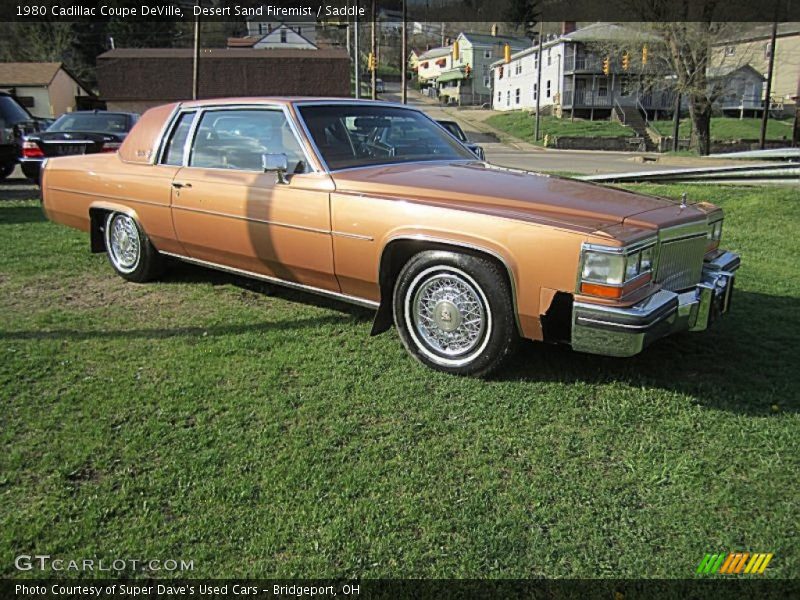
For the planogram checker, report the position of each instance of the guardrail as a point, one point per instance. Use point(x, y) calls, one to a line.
point(783, 173)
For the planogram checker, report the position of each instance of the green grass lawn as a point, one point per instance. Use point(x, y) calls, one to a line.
point(263, 432)
point(521, 124)
point(728, 128)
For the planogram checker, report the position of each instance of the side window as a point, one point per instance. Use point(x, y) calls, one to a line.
point(173, 152)
point(236, 139)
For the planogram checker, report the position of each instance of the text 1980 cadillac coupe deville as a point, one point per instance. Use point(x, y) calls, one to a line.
point(377, 204)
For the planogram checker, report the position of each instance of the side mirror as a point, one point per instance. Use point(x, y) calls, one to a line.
point(276, 163)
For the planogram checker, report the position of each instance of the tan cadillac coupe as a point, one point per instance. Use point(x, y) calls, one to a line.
point(377, 204)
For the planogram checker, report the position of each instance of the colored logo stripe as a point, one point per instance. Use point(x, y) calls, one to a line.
point(734, 563)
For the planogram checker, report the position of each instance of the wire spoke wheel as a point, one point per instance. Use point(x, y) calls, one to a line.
point(124, 243)
point(448, 314)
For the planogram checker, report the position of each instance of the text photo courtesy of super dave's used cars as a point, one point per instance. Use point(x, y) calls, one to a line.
point(379, 205)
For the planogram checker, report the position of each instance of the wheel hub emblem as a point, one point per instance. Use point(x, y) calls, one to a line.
point(447, 316)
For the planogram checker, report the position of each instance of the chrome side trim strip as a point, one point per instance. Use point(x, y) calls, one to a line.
point(282, 282)
point(355, 236)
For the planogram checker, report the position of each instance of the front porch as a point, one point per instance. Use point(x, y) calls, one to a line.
point(596, 96)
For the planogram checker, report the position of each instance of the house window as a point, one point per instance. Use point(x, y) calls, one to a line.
point(260, 29)
point(547, 89)
point(730, 50)
point(549, 58)
point(486, 82)
point(536, 60)
point(487, 54)
point(602, 91)
point(499, 97)
point(517, 96)
point(283, 36)
point(518, 68)
point(508, 98)
point(767, 49)
point(535, 91)
point(500, 73)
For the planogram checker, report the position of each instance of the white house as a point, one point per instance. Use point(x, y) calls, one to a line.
point(305, 27)
point(572, 78)
point(432, 63)
point(46, 89)
point(281, 37)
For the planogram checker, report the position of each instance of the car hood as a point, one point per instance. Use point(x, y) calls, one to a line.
point(515, 194)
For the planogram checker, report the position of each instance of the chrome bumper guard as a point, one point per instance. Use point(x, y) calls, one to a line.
point(612, 331)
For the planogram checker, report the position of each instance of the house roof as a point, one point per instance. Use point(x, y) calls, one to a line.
point(759, 31)
point(436, 52)
point(608, 32)
point(728, 70)
point(165, 74)
point(596, 32)
point(224, 53)
point(486, 39)
point(451, 75)
point(249, 41)
point(28, 73)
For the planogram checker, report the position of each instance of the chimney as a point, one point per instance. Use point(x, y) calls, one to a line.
point(567, 27)
point(494, 29)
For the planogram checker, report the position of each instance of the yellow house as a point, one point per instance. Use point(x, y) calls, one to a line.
point(753, 47)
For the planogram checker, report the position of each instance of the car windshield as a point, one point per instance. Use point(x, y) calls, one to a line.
point(363, 135)
point(100, 122)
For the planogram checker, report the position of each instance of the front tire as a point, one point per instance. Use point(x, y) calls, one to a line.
point(129, 249)
point(454, 312)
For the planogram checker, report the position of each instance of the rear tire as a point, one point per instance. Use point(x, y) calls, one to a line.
point(6, 170)
point(454, 312)
point(129, 250)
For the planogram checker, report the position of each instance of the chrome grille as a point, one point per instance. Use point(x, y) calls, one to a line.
point(680, 262)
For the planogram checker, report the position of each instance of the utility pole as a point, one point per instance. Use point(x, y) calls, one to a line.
point(796, 127)
point(196, 59)
point(356, 62)
point(676, 122)
point(374, 66)
point(539, 81)
point(404, 59)
point(765, 114)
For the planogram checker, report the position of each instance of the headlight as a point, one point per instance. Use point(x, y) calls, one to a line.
point(714, 235)
point(613, 272)
point(603, 268)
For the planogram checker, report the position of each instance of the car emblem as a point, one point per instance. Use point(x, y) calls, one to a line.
point(67, 136)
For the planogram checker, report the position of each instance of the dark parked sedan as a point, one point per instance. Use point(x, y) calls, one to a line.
point(81, 132)
point(15, 122)
point(455, 129)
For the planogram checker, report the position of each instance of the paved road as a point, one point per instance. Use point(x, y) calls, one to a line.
point(17, 187)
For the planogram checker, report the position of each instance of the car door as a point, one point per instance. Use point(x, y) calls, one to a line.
point(228, 212)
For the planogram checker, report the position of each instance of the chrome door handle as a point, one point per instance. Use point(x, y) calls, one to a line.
point(179, 185)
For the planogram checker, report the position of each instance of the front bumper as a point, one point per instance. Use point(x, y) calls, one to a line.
point(612, 331)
